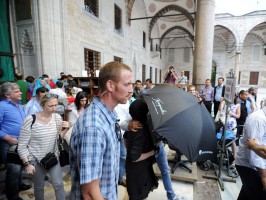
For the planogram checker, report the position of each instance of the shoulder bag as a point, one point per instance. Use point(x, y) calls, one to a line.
point(63, 149)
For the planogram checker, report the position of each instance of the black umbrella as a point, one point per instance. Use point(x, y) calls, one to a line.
point(182, 121)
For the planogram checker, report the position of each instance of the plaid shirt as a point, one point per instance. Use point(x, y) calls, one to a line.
point(95, 151)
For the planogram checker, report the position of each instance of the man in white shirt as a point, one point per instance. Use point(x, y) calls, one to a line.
point(59, 90)
point(122, 111)
point(250, 166)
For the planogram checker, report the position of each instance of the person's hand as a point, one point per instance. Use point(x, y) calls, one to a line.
point(30, 169)
point(251, 143)
point(134, 125)
point(65, 124)
point(13, 141)
point(263, 180)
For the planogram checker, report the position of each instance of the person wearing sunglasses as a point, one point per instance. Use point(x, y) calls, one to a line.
point(95, 139)
point(34, 106)
point(38, 138)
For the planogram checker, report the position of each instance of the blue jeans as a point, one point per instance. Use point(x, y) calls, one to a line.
point(13, 173)
point(56, 177)
point(122, 164)
point(162, 163)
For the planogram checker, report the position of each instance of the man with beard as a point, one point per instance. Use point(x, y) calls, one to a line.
point(252, 98)
point(137, 89)
point(96, 136)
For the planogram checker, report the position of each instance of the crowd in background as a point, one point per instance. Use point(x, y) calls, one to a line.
point(109, 141)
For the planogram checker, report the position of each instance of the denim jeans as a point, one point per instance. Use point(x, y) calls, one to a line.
point(122, 164)
point(162, 163)
point(39, 181)
point(13, 173)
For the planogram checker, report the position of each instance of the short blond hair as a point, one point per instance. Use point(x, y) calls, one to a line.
point(111, 71)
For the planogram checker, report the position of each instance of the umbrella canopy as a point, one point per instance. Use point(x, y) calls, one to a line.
point(177, 116)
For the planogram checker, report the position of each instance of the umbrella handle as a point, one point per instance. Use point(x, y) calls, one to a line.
point(163, 139)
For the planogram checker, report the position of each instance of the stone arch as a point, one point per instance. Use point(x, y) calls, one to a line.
point(232, 31)
point(231, 40)
point(221, 38)
point(173, 28)
point(167, 9)
point(256, 36)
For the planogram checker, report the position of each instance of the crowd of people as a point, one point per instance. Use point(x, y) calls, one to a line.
point(110, 137)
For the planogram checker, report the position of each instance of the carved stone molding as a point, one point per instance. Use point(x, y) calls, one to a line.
point(26, 44)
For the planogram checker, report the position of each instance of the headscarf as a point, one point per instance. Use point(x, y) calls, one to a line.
point(138, 110)
point(40, 84)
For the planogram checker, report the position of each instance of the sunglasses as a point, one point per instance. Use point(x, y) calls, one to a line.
point(118, 132)
point(51, 96)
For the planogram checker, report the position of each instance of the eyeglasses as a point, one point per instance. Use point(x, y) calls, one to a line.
point(51, 96)
point(118, 132)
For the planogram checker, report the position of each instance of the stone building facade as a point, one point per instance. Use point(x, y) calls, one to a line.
point(240, 47)
point(77, 35)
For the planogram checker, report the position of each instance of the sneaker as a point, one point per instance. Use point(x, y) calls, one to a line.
point(123, 182)
point(232, 172)
point(205, 166)
point(178, 197)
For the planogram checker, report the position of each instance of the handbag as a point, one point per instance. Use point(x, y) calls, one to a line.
point(49, 161)
point(12, 155)
point(63, 151)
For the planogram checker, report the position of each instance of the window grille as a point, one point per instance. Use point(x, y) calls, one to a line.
point(92, 60)
point(92, 6)
point(143, 73)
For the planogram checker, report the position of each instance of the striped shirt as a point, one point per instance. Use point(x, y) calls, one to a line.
point(39, 140)
point(95, 151)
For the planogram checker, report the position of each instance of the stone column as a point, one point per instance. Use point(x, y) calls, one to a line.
point(204, 34)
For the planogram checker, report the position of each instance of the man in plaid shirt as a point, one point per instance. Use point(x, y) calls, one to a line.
point(94, 144)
